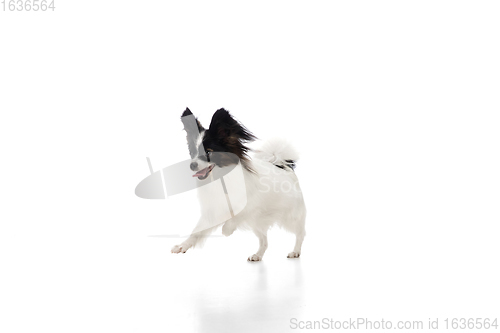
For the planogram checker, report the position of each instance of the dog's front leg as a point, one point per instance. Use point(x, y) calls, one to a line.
point(199, 235)
point(229, 227)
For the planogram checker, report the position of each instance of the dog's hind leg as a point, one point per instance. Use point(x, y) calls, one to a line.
point(298, 245)
point(300, 233)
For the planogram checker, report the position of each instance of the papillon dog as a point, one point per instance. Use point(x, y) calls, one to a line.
point(271, 192)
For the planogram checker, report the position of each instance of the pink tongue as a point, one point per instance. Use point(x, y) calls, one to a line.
point(201, 173)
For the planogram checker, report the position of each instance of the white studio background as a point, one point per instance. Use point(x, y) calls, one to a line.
point(393, 105)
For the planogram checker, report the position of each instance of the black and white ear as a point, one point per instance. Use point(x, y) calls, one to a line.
point(193, 129)
point(228, 129)
point(192, 126)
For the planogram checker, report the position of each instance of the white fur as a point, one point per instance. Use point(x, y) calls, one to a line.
point(273, 197)
point(276, 151)
point(199, 140)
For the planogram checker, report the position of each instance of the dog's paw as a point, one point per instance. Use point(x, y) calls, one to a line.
point(254, 258)
point(228, 229)
point(179, 249)
point(293, 255)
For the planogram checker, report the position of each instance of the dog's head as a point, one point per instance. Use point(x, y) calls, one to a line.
point(222, 144)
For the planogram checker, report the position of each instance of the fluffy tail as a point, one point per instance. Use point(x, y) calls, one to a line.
point(278, 152)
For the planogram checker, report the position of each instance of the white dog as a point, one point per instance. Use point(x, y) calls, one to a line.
point(273, 194)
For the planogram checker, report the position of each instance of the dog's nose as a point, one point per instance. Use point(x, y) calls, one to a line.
point(193, 165)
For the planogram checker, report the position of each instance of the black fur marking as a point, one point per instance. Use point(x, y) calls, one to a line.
point(291, 164)
point(186, 112)
point(225, 134)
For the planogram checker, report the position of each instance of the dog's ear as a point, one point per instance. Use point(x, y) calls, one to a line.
point(192, 126)
point(193, 129)
point(228, 129)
